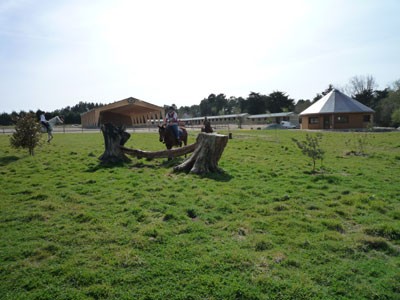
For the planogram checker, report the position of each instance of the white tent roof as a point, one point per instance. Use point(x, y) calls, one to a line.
point(336, 102)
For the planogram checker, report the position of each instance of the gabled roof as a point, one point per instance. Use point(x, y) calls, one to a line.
point(130, 106)
point(336, 102)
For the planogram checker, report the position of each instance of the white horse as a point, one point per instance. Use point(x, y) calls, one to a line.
point(52, 122)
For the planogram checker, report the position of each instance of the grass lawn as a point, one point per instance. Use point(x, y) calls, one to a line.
point(266, 228)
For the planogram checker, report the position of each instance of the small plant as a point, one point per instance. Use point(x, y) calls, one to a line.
point(357, 144)
point(27, 133)
point(311, 147)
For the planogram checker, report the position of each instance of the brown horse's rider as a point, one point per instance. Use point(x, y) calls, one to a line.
point(171, 120)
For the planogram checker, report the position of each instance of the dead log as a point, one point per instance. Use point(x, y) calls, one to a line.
point(159, 154)
point(209, 149)
point(114, 138)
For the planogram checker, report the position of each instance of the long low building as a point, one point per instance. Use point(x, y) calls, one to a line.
point(246, 119)
point(223, 119)
point(274, 118)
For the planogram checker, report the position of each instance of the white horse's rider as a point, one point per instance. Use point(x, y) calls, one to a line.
point(44, 122)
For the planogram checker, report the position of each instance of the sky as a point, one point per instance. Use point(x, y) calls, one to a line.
point(56, 53)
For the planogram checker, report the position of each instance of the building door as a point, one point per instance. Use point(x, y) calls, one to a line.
point(327, 122)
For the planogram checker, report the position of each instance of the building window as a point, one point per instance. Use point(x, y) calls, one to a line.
point(313, 120)
point(367, 118)
point(342, 119)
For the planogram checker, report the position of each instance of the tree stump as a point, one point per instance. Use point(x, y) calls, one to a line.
point(114, 138)
point(209, 149)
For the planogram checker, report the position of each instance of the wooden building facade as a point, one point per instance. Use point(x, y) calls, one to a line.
point(126, 112)
point(336, 111)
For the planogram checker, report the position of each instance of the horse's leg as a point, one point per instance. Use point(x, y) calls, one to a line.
point(49, 137)
point(169, 147)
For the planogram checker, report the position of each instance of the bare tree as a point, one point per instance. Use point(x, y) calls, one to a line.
point(361, 84)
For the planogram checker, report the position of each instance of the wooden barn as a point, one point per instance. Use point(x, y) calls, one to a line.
point(127, 112)
point(336, 111)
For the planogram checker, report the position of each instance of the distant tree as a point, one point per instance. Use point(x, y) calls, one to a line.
point(360, 84)
point(205, 106)
point(221, 104)
point(301, 105)
point(184, 112)
point(195, 111)
point(256, 103)
point(27, 133)
point(388, 106)
point(366, 97)
point(362, 89)
point(212, 105)
point(72, 115)
point(278, 102)
point(396, 117)
point(231, 105)
point(237, 105)
point(14, 117)
point(5, 119)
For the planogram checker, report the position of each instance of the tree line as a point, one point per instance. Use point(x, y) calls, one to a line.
point(71, 115)
point(385, 102)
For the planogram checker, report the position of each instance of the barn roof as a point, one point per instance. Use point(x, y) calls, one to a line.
point(130, 106)
point(271, 115)
point(210, 118)
point(336, 102)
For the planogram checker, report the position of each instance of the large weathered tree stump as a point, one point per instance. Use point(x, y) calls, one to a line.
point(209, 149)
point(114, 138)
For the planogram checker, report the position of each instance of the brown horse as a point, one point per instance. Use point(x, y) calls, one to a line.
point(167, 136)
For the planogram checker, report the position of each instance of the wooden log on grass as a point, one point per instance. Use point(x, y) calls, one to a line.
point(209, 149)
point(159, 154)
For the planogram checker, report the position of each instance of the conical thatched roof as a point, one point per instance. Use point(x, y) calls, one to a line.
point(336, 102)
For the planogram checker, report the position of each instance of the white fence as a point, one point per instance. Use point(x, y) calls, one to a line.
point(151, 128)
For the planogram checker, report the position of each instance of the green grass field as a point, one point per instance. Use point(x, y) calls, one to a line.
point(266, 228)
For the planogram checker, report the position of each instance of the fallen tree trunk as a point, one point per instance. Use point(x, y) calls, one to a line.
point(209, 149)
point(159, 154)
point(114, 138)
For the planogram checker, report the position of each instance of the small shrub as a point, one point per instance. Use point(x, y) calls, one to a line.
point(263, 245)
point(169, 217)
point(281, 207)
point(374, 243)
point(357, 144)
point(311, 148)
point(27, 133)
point(333, 225)
point(386, 231)
point(191, 213)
